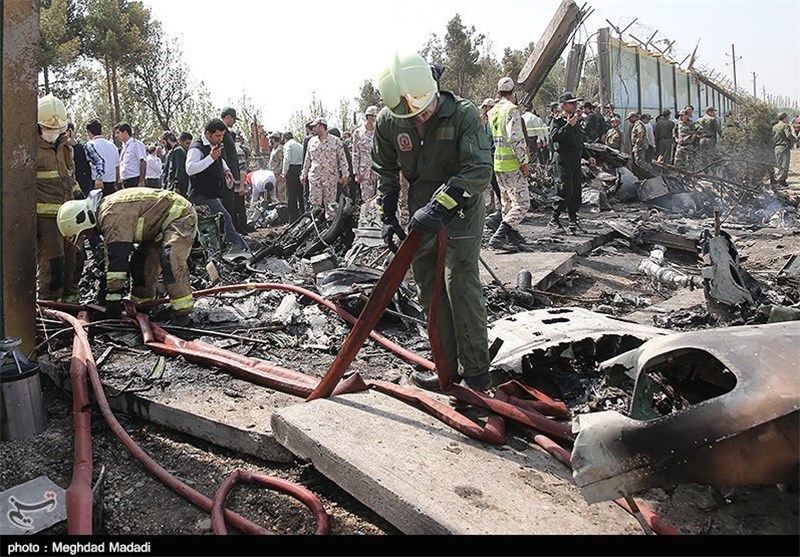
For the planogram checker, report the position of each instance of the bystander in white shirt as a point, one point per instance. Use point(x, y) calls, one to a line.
point(133, 151)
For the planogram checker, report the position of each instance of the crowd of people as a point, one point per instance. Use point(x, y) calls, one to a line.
point(429, 152)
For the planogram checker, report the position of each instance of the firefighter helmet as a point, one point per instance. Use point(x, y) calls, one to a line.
point(407, 85)
point(75, 216)
point(52, 114)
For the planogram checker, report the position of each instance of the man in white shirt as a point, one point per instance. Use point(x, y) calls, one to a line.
point(133, 160)
point(651, 137)
point(263, 184)
point(209, 176)
point(108, 151)
point(292, 165)
point(154, 168)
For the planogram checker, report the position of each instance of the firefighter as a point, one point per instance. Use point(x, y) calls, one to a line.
point(163, 224)
point(59, 262)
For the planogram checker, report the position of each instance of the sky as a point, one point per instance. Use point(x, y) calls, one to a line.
point(281, 52)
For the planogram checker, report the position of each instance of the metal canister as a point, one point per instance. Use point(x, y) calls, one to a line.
point(524, 280)
point(21, 406)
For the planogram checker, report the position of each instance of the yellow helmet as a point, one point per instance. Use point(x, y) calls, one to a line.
point(75, 216)
point(407, 85)
point(52, 114)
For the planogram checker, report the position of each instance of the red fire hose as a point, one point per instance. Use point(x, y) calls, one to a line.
point(86, 361)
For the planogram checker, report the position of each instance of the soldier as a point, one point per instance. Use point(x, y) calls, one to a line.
point(783, 139)
point(511, 166)
point(275, 164)
point(438, 142)
point(324, 167)
point(664, 140)
point(567, 140)
point(161, 223)
point(639, 144)
point(708, 129)
point(613, 137)
point(632, 118)
point(362, 167)
point(59, 263)
point(685, 135)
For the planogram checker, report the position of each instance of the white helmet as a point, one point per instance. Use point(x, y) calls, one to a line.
point(52, 114)
point(75, 216)
point(371, 111)
point(406, 85)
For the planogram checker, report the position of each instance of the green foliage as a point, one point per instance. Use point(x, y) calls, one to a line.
point(59, 45)
point(369, 96)
point(344, 115)
point(459, 53)
point(298, 119)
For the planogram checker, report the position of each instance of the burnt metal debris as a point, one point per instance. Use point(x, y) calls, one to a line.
point(716, 407)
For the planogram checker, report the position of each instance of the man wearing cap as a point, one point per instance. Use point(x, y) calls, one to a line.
point(783, 139)
point(613, 137)
point(632, 118)
point(275, 164)
point(709, 128)
point(685, 135)
point(362, 167)
point(664, 141)
point(437, 141)
point(594, 125)
point(324, 167)
point(567, 140)
point(232, 205)
point(511, 166)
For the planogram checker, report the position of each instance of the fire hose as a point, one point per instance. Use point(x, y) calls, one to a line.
point(79, 496)
point(521, 404)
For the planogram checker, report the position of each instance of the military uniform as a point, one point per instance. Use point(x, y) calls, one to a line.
point(362, 167)
point(275, 164)
point(510, 152)
point(163, 224)
point(454, 149)
point(639, 144)
point(664, 140)
point(708, 127)
point(783, 139)
point(614, 138)
point(685, 144)
point(59, 262)
point(324, 165)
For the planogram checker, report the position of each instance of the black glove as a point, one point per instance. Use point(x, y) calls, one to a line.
point(114, 310)
point(387, 207)
point(440, 210)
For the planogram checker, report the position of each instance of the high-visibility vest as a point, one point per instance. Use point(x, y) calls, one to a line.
point(504, 158)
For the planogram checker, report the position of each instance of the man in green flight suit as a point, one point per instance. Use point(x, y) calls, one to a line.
point(783, 139)
point(438, 142)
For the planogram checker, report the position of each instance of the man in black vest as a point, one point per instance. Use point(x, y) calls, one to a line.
point(209, 176)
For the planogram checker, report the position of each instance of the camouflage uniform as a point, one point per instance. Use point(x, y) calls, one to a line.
point(324, 165)
point(614, 138)
point(783, 139)
point(639, 144)
point(59, 262)
point(708, 127)
point(275, 164)
point(685, 143)
point(362, 167)
point(516, 198)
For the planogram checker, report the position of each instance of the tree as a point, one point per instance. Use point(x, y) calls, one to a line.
point(369, 96)
point(59, 43)
point(299, 118)
point(161, 78)
point(459, 53)
point(344, 114)
point(116, 33)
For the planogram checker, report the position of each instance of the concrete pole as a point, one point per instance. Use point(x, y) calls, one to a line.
point(754, 85)
point(19, 42)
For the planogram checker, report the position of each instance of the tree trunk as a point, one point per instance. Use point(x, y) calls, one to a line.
point(110, 98)
point(46, 80)
point(115, 90)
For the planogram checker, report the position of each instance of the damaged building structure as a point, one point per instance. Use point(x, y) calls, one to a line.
point(645, 372)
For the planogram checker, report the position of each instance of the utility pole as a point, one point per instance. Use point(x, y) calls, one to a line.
point(735, 86)
point(754, 85)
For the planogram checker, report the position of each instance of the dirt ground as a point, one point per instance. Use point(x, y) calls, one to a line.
point(135, 503)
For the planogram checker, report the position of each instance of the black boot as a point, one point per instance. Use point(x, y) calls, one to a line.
point(500, 240)
point(426, 380)
point(555, 223)
point(575, 225)
point(493, 221)
point(515, 236)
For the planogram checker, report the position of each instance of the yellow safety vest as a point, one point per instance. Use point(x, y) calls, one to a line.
point(505, 160)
